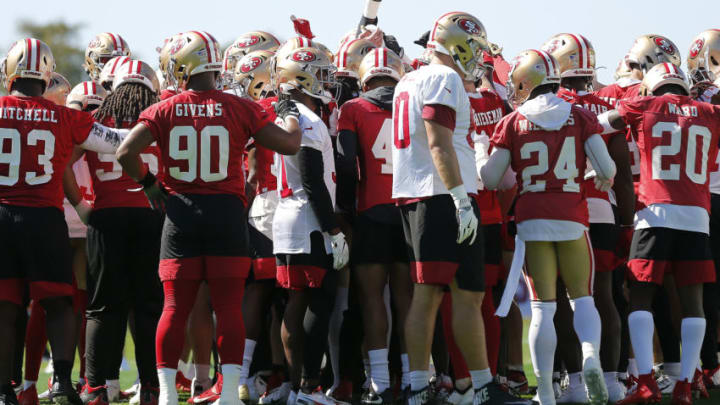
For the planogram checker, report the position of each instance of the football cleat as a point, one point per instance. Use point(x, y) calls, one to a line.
point(517, 382)
point(574, 394)
point(597, 392)
point(698, 386)
point(666, 383)
point(28, 396)
point(712, 377)
point(182, 384)
point(682, 394)
point(63, 393)
point(646, 392)
point(616, 389)
point(198, 387)
point(315, 398)
point(277, 395)
point(461, 398)
point(342, 394)
point(7, 395)
point(149, 395)
point(492, 394)
point(373, 398)
point(420, 397)
point(94, 396)
point(211, 395)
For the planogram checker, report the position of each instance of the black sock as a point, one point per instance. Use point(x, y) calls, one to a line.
point(62, 369)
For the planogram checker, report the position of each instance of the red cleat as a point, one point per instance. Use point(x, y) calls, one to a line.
point(28, 396)
point(682, 394)
point(712, 377)
point(149, 395)
point(647, 392)
point(182, 383)
point(698, 385)
point(209, 396)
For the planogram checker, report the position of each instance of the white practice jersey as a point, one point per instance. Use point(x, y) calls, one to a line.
point(414, 174)
point(294, 218)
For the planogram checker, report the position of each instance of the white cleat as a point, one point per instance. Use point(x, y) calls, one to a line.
point(316, 398)
point(616, 390)
point(574, 394)
point(277, 396)
point(594, 380)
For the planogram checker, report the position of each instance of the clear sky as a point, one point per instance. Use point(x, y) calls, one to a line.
point(611, 25)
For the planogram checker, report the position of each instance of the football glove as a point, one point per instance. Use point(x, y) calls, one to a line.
point(83, 209)
point(340, 250)
point(286, 108)
point(467, 221)
point(154, 191)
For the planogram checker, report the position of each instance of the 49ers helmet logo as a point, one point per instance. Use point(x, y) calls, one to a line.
point(247, 41)
point(552, 46)
point(251, 64)
point(94, 43)
point(176, 46)
point(696, 47)
point(665, 45)
point(304, 56)
point(469, 26)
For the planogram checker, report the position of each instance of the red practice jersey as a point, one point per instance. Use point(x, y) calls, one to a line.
point(110, 183)
point(614, 92)
point(677, 138)
point(488, 109)
point(167, 93)
point(264, 157)
point(36, 140)
point(597, 106)
point(549, 165)
point(373, 127)
point(202, 138)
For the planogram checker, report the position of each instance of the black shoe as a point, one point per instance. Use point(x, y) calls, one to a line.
point(94, 396)
point(493, 394)
point(373, 398)
point(63, 393)
point(420, 397)
point(7, 395)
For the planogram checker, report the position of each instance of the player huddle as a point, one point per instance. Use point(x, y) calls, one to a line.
point(298, 214)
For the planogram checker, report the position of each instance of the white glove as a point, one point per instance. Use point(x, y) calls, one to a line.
point(467, 221)
point(83, 209)
point(603, 185)
point(340, 250)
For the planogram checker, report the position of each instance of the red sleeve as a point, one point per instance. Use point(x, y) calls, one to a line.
point(440, 114)
point(502, 137)
point(258, 116)
point(631, 110)
point(82, 123)
point(152, 118)
point(346, 119)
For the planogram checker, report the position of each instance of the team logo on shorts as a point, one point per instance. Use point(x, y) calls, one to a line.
point(251, 64)
point(247, 41)
point(471, 27)
point(303, 56)
point(696, 47)
point(665, 45)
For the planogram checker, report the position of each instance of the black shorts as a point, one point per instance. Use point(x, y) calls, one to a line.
point(431, 231)
point(261, 251)
point(35, 250)
point(123, 247)
point(684, 254)
point(300, 271)
point(378, 237)
point(494, 269)
point(204, 236)
point(604, 240)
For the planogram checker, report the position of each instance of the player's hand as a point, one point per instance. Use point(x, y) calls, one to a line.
point(340, 250)
point(467, 221)
point(286, 108)
point(392, 44)
point(154, 191)
point(83, 209)
point(603, 185)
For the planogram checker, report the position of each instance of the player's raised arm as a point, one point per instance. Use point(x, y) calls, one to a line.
point(283, 141)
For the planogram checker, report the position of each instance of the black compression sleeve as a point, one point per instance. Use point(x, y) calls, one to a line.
point(347, 170)
point(312, 174)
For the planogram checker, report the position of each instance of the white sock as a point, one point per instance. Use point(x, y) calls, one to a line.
point(405, 361)
point(480, 378)
point(586, 321)
point(202, 372)
point(632, 367)
point(247, 360)
point(184, 368)
point(231, 382)
point(379, 371)
point(543, 340)
point(336, 319)
point(575, 379)
point(672, 369)
point(692, 331)
point(641, 327)
point(27, 384)
point(168, 392)
point(611, 377)
point(419, 379)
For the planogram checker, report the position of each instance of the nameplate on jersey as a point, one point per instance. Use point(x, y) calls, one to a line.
point(198, 110)
point(525, 125)
point(28, 114)
point(685, 110)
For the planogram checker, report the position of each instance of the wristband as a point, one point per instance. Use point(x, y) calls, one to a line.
point(148, 180)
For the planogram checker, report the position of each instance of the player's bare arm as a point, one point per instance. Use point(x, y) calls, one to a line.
point(623, 187)
point(284, 141)
point(443, 153)
point(128, 154)
point(70, 185)
point(494, 171)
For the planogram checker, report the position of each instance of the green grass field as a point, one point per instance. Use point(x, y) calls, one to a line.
point(127, 378)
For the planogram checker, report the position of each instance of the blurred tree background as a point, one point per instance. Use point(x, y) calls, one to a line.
point(63, 39)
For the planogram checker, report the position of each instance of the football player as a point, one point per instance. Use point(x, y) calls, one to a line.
point(123, 244)
point(575, 56)
point(546, 141)
point(671, 231)
point(107, 74)
point(434, 174)
point(100, 50)
point(307, 240)
point(245, 44)
point(40, 136)
point(347, 60)
point(201, 133)
point(364, 166)
point(703, 65)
